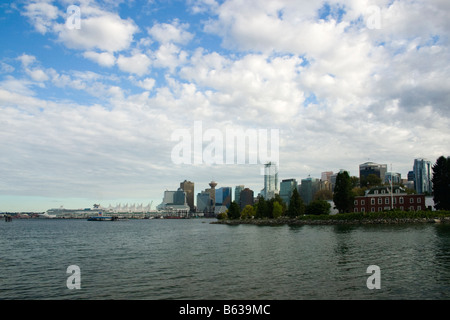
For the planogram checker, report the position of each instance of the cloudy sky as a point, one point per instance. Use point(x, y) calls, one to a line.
point(92, 93)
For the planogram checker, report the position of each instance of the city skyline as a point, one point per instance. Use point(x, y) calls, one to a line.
point(292, 182)
point(92, 93)
point(196, 189)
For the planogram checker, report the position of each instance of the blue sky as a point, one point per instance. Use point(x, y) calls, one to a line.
point(87, 114)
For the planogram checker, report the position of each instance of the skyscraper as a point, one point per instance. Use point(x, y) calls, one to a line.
point(188, 187)
point(308, 188)
point(212, 192)
point(270, 180)
point(422, 176)
point(237, 193)
point(223, 197)
point(246, 198)
point(204, 203)
point(287, 186)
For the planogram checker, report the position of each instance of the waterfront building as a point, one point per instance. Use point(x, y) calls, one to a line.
point(246, 198)
point(287, 186)
point(205, 202)
point(223, 197)
point(270, 180)
point(212, 192)
point(372, 168)
point(382, 199)
point(422, 176)
point(174, 201)
point(237, 193)
point(133, 208)
point(308, 188)
point(188, 187)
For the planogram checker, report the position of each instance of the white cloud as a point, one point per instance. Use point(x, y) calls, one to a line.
point(26, 60)
point(105, 59)
point(202, 6)
point(175, 32)
point(338, 91)
point(169, 56)
point(138, 63)
point(35, 73)
point(38, 75)
point(147, 83)
point(11, 86)
point(42, 15)
point(6, 68)
point(106, 32)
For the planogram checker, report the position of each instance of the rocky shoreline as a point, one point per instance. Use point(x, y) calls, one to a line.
point(329, 221)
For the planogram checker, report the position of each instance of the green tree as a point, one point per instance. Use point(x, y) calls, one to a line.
point(270, 205)
point(277, 210)
point(248, 212)
point(441, 183)
point(234, 211)
point(222, 216)
point(357, 191)
point(343, 196)
point(372, 180)
point(262, 210)
point(318, 207)
point(355, 181)
point(296, 206)
point(323, 195)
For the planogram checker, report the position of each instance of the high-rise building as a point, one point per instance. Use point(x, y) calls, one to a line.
point(188, 187)
point(308, 188)
point(246, 198)
point(326, 176)
point(223, 197)
point(287, 186)
point(422, 176)
point(205, 202)
point(270, 180)
point(372, 168)
point(168, 196)
point(212, 192)
point(237, 193)
point(179, 197)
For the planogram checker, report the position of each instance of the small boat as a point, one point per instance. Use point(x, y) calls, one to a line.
point(101, 217)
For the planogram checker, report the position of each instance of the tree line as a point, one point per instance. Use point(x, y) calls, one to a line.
point(343, 197)
point(275, 208)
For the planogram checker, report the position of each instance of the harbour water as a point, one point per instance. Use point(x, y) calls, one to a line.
point(193, 259)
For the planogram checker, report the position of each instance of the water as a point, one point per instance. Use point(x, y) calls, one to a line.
point(193, 259)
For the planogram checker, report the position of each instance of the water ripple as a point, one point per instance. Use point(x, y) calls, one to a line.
point(194, 260)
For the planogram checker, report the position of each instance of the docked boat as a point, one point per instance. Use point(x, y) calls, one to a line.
point(102, 218)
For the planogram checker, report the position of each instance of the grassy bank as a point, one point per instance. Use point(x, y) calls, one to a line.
point(383, 217)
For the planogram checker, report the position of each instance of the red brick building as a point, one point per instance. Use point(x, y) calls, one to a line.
point(381, 199)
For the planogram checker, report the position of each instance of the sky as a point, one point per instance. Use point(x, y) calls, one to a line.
point(97, 97)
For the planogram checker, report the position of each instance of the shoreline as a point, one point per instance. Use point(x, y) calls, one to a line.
point(331, 221)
